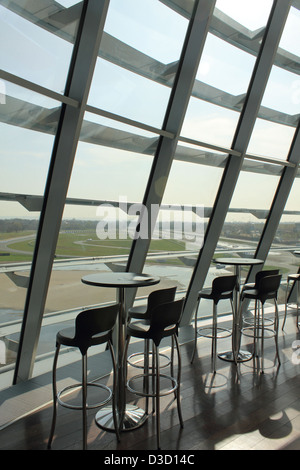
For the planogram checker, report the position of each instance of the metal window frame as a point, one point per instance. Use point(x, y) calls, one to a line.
point(180, 95)
point(258, 83)
point(74, 105)
point(78, 84)
point(277, 208)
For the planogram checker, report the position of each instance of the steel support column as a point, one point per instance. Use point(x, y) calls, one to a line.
point(279, 201)
point(80, 76)
point(242, 136)
point(181, 92)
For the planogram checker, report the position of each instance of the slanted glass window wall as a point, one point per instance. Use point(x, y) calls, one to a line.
point(40, 43)
point(35, 58)
point(273, 135)
point(186, 207)
point(109, 175)
point(127, 103)
point(286, 241)
point(247, 215)
point(137, 64)
point(27, 136)
point(218, 93)
point(122, 129)
point(279, 112)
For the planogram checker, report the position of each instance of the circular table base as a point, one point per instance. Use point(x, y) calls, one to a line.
point(243, 356)
point(134, 418)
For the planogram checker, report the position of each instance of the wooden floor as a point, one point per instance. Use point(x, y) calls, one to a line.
point(247, 410)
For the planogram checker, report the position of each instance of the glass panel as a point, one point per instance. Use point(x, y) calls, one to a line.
point(272, 135)
point(38, 41)
point(217, 98)
point(290, 39)
point(246, 217)
point(28, 124)
point(252, 15)
point(141, 60)
point(270, 140)
point(179, 232)
point(225, 71)
point(286, 240)
point(283, 94)
point(27, 136)
point(206, 122)
point(225, 67)
point(17, 237)
point(115, 168)
point(113, 160)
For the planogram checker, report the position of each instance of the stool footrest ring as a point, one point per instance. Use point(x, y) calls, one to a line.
point(221, 332)
point(149, 394)
point(254, 332)
point(79, 386)
point(134, 364)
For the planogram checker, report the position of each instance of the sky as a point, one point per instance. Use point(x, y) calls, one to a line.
point(154, 29)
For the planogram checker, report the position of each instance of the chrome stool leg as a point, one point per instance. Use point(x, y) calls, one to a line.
point(157, 400)
point(286, 299)
point(298, 304)
point(297, 281)
point(262, 337)
point(276, 330)
point(84, 398)
point(195, 331)
point(178, 381)
point(54, 391)
point(214, 337)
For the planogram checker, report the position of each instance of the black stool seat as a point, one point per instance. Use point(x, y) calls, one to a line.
point(155, 298)
point(258, 277)
point(267, 289)
point(254, 285)
point(222, 289)
point(68, 337)
point(163, 322)
point(294, 278)
point(215, 296)
point(92, 327)
point(139, 311)
point(142, 312)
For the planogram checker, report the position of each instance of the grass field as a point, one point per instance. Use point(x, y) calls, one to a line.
point(81, 244)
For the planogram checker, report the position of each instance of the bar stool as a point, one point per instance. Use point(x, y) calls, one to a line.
point(266, 290)
point(258, 277)
point(163, 322)
point(295, 279)
point(92, 327)
point(142, 312)
point(222, 289)
point(254, 285)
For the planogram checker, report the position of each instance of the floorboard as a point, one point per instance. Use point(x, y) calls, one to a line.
point(247, 410)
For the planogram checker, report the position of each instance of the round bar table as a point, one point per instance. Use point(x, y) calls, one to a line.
point(129, 416)
point(236, 354)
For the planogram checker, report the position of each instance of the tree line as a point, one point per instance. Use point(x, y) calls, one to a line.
point(21, 225)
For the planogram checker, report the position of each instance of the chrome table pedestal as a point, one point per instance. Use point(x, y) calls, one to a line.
point(129, 416)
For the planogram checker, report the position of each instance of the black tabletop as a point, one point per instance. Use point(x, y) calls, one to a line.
point(120, 279)
point(238, 261)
